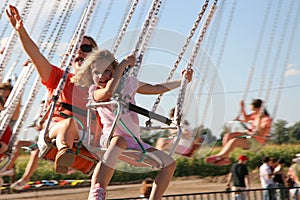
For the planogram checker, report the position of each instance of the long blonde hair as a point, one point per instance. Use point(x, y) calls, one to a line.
point(84, 76)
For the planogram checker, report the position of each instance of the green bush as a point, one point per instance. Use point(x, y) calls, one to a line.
point(185, 167)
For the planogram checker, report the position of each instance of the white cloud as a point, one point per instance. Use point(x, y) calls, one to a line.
point(292, 70)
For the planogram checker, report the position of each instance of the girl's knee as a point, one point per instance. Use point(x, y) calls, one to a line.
point(119, 141)
point(171, 166)
point(169, 163)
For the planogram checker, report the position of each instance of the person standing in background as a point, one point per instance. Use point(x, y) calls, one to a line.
point(266, 179)
point(239, 177)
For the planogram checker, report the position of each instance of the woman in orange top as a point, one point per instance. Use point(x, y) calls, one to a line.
point(64, 129)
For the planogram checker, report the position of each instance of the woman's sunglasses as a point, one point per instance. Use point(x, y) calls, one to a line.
point(86, 48)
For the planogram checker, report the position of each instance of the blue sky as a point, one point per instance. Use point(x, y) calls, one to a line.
point(235, 30)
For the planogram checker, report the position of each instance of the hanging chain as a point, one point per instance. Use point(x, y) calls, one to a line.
point(104, 20)
point(124, 27)
point(16, 93)
point(256, 51)
point(22, 80)
point(219, 58)
point(3, 8)
point(146, 25)
point(153, 23)
point(13, 100)
point(6, 56)
point(21, 119)
point(62, 29)
point(278, 52)
point(187, 42)
point(37, 83)
point(291, 43)
point(76, 39)
point(139, 43)
point(7, 23)
point(270, 48)
point(181, 96)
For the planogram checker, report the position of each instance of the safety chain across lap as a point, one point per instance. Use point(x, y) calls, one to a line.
point(187, 42)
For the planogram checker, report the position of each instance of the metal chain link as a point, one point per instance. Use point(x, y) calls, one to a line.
point(76, 39)
point(24, 113)
point(187, 42)
point(3, 8)
point(256, 51)
point(62, 28)
point(104, 20)
point(124, 27)
point(6, 56)
point(278, 52)
point(286, 61)
point(153, 23)
point(37, 83)
point(139, 42)
point(181, 96)
point(219, 58)
point(16, 93)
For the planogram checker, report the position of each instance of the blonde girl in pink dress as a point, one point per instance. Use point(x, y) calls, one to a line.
point(103, 72)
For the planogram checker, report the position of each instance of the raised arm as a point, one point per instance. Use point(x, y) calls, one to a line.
point(40, 62)
point(243, 112)
point(146, 88)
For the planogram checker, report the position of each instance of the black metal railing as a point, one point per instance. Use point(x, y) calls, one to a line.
point(250, 194)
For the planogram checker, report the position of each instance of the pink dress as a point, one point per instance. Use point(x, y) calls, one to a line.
point(130, 119)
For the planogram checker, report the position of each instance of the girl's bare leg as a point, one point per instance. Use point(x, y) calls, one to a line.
point(105, 169)
point(232, 144)
point(164, 177)
point(228, 136)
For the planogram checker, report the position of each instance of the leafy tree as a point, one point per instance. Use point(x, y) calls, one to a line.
point(294, 132)
point(280, 132)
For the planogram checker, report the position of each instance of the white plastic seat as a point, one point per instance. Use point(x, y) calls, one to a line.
point(134, 157)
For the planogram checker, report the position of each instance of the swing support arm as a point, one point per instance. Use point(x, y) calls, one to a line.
point(149, 114)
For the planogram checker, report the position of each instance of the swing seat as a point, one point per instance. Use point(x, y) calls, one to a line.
point(182, 150)
point(195, 146)
point(134, 157)
point(84, 161)
point(137, 158)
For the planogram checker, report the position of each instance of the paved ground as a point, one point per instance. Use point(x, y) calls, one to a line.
point(122, 191)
